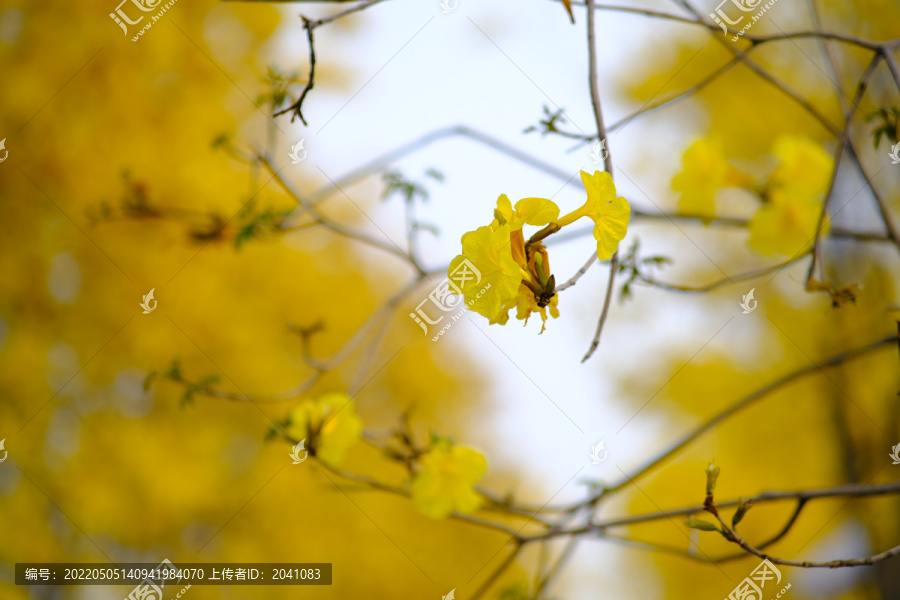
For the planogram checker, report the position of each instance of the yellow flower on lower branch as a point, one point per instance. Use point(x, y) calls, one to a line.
point(446, 481)
point(329, 424)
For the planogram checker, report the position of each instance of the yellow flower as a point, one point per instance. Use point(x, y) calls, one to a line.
point(609, 213)
point(525, 303)
point(530, 211)
point(703, 173)
point(786, 224)
point(518, 270)
point(804, 167)
point(446, 482)
point(329, 423)
point(488, 250)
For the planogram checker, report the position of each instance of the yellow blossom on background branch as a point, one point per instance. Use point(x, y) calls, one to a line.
point(787, 222)
point(791, 196)
point(446, 481)
point(329, 423)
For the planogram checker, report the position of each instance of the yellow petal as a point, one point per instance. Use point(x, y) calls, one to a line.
point(537, 211)
point(610, 227)
point(600, 190)
point(446, 481)
point(496, 274)
point(785, 225)
point(804, 167)
point(704, 172)
point(333, 417)
point(504, 210)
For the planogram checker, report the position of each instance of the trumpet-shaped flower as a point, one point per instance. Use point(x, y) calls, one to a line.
point(609, 213)
point(490, 252)
point(330, 423)
point(703, 173)
point(518, 270)
point(446, 481)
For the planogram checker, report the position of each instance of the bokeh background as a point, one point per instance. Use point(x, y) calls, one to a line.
point(101, 468)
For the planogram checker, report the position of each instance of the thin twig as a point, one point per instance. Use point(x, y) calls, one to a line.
point(756, 40)
point(578, 274)
point(310, 26)
point(495, 575)
point(708, 287)
point(890, 59)
point(752, 398)
point(556, 569)
point(608, 165)
point(792, 520)
point(858, 491)
point(338, 228)
point(297, 107)
point(838, 155)
point(732, 535)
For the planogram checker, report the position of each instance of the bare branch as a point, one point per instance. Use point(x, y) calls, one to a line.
point(608, 165)
point(732, 535)
point(752, 398)
point(838, 155)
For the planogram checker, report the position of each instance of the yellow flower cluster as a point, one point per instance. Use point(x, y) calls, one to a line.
point(518, 270)
point(446, 481)
point(787, 220)
point(329, 423)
